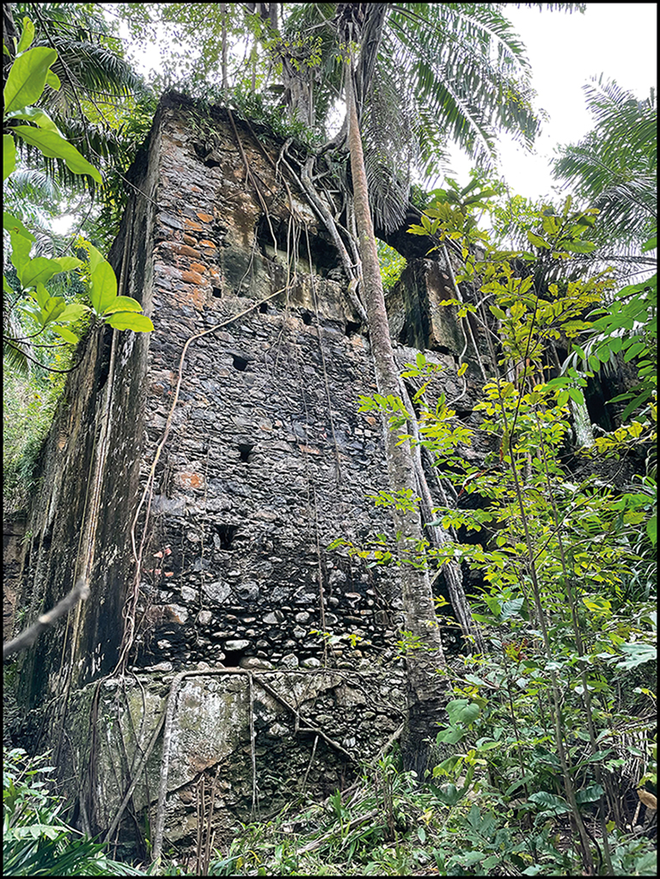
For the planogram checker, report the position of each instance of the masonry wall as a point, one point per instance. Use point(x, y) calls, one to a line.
point(266, 461)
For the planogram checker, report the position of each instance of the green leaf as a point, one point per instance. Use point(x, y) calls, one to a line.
point(6, 286)
point(630, 408)
point(124, 320)
point(65, 333)
point(27, 78)
point(652, 529)
point(589, 794)
point(53, 80)
point(451, 735)
point(54, 306)
point(55, 147)
point(39, 117)
point(537, 241)
point(27, 36)
point(634, 350)
point(67, 263)
point(576, 395)
point(637, 653)
point(39, 270)
point(20, 250)
point(74, 311)
point(123, 303)
point(103, 283)
point(562, 398)
point(8, 155)
point(13, 224)
point(651, 244)
point(550, 802)
point(462, 711)
point(498, 312)
point(41, 294)
point(578, 246)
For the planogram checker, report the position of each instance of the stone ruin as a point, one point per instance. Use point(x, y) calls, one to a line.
point(267, 662)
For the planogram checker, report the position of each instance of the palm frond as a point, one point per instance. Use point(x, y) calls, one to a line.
point(614, 166)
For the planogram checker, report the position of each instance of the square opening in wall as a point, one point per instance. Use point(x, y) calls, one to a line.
point(245, 452)
point(225, 536)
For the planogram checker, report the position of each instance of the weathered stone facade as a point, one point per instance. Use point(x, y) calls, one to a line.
point(266, 460)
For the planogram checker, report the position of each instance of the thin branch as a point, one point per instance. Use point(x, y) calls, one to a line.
point(28, 636)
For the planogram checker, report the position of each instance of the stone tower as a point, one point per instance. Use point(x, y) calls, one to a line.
point(197, 476)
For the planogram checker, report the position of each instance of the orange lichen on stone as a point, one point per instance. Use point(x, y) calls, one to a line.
point(205, 218)
point(192, 278)
point(197, 267)
point(199, 298)
point(206, 243)
point(191, 224)
point(184, 250)
point(191, 480)
point(188, 239)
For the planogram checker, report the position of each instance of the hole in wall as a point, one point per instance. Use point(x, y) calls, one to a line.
point(240, 363)
point(245, 452)
point(307, 318)
point(226, 534)
point(351, 327)
point(232, 658)
point(217, 292)
point(263, 308)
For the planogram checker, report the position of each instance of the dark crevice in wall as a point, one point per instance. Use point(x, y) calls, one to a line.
point(245, 452)
point(226, 534)
point(239, 363)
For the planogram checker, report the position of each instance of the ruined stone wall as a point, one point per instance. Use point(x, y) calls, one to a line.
point(266, 461)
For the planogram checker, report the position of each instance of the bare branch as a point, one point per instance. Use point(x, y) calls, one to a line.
point(28, 636)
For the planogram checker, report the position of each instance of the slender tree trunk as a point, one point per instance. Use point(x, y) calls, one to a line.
point(426, 689)
point(223, 14)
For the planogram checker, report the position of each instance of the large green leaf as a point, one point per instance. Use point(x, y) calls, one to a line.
point(462, 711)
point(67, 263)
point(55, 147)
point(38, 271)
point(41, 294)
point(578, 246)
point(26, 37)
point(74, 311)
point(53, 308)
point(537, 241)
point(123, 303)
point(13, 224)
point(21, 246)
point(65, 333)
point(8, 155)
point(125, 320)
point(39, 117)
point(103, 285)
point(27, 78)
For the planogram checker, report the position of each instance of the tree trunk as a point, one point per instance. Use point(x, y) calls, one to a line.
point(223, 15)
point(425, 688)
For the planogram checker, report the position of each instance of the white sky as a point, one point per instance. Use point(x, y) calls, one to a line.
point(565, 51)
